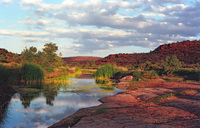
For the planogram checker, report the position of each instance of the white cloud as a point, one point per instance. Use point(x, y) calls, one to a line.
point(40, 22)
point(23, 33)
point(31, 2)
point(6, 2)
point(102, 25)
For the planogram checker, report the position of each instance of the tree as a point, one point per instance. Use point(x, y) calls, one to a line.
point(50, 50)
point(28, 55)
point(171, 64)
point(39, 58)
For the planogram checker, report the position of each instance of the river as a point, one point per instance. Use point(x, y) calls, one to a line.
point(40, 107)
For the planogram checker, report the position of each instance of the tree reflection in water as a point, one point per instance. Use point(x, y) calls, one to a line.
point(46, 104)
point(29, 93)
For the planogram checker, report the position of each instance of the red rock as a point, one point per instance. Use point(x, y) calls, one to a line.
point(126, 78)
point(186, 51)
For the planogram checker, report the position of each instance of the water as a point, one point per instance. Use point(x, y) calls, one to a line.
point(39, 108)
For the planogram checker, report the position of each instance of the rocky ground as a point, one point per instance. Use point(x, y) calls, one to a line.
point(157, 104)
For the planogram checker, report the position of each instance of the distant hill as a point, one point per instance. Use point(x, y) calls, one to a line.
point(186, 51)
point(80, 59)
point(8, 56)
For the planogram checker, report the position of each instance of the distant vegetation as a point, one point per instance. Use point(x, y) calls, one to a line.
point(47, 58)
point(166, 60)
point(32, 63)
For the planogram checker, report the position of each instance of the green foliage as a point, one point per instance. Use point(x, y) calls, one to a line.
point(77, 69)
point(47, 58)
point(4, 74)
point(164, 96)
point(28, 55)
point(32, 73)
point(151, 73)
point(170, 64)
point(50, 50)
point(137, 75)
point(106, 71)
point(100, 81)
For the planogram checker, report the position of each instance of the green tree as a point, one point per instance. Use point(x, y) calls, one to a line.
point(50, 50)
point(28, 55)
point(170, 64)
point(39, 58)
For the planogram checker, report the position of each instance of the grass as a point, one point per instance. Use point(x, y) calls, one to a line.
point(164, 96)
point(32, 73)
point(106, 71)
point(188, 92)
point(99, 111)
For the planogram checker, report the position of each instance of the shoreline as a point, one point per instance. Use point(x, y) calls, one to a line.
point(141, 107)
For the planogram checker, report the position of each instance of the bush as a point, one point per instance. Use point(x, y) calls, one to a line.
point(77, 69)
point(137, 75)
point(151, 73)
point(106, 71)
point(170, 64)
point(32, 73)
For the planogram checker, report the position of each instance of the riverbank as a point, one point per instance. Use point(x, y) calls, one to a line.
point(153, 104)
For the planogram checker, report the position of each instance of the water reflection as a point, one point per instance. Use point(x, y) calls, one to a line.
point(44, 105)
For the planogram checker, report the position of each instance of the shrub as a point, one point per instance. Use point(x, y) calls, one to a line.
point(137, 75)
point(170, 64)
point(151, 73)
point(32, 73)
point(106, 71)
point(77, 69)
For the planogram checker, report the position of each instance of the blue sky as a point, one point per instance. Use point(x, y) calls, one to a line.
point(97, 27)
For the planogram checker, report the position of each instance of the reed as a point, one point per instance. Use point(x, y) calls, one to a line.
point(32, 73)
point(106, 71)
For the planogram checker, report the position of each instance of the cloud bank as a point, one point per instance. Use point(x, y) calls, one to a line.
point(93, 26)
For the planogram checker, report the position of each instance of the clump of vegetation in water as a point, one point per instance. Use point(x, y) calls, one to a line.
point(106, 71)
point(32, 73)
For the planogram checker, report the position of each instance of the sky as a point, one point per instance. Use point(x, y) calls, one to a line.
point(97, 27)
